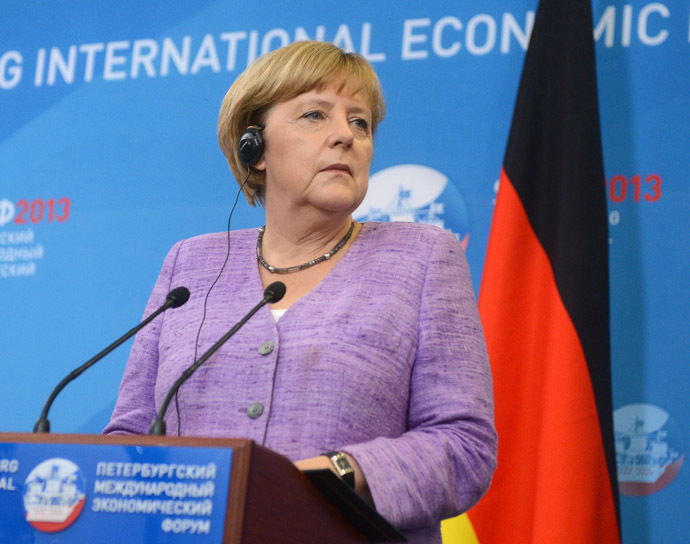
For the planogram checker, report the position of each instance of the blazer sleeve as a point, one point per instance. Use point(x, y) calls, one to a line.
point(443, 464)
point(135, 407)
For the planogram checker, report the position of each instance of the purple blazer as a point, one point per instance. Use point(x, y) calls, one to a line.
point(384, 359)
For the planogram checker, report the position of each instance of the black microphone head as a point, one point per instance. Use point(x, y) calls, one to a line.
point(276, 291)
point(178, 296)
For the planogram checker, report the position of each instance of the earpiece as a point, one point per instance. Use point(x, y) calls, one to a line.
point(251, 146)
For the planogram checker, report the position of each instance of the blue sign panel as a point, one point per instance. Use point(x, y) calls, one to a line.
point(115, 494)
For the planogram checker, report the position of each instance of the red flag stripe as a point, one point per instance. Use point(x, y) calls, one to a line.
point(550, 449)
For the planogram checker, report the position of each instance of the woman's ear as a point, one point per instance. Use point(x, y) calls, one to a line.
point(261, 163)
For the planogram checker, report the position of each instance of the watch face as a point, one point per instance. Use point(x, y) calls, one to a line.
point(341, 464)
point(343, 467)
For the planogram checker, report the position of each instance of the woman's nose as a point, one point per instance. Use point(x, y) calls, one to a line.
point(340, 132)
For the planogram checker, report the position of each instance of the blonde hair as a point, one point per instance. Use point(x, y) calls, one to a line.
point(282, 75)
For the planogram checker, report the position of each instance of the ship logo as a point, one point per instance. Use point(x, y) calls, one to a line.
point(54, 495)
point(418, 194)
point(649, 452)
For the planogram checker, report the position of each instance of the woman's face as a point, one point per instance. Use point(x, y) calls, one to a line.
point(318, 150)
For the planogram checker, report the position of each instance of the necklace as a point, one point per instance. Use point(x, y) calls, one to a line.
point(308, 264)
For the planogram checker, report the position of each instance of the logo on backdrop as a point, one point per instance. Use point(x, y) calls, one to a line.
point(649, 450)
point(419, 194)
point(54, 495)
point(20, 253)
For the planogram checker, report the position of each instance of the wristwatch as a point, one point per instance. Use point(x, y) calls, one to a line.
point(342, 467)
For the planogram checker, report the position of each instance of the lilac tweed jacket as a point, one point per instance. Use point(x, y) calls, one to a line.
point(384, 359)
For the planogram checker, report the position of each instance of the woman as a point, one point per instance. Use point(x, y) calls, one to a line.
point(375, 353)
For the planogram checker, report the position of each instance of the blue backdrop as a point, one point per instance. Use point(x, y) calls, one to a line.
point(108, 156)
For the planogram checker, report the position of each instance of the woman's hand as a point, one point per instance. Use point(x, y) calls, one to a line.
point(321, 462)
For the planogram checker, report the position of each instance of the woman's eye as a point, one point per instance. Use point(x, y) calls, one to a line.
point(361, 123)
point(315, 115)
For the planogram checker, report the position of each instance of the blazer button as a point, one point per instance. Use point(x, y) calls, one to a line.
point(266, 347)
point(255, 410)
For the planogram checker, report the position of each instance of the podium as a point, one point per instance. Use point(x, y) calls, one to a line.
point(93, 488)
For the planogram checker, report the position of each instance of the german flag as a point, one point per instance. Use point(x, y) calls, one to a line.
point(544, 302)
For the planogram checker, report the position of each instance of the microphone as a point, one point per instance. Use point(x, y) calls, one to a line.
point(272, 293)
point(176, 298)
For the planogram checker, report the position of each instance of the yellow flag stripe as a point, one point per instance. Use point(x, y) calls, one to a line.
point(458, 530)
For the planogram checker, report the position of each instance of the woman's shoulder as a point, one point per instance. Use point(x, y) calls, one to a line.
point(218, 240)
point(406, 235)
point(400, 227)
point(207, 250)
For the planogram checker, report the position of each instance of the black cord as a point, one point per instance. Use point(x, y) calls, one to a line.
point(203, 318)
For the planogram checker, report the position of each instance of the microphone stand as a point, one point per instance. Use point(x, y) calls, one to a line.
point(273, 293)
point(176, 297)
